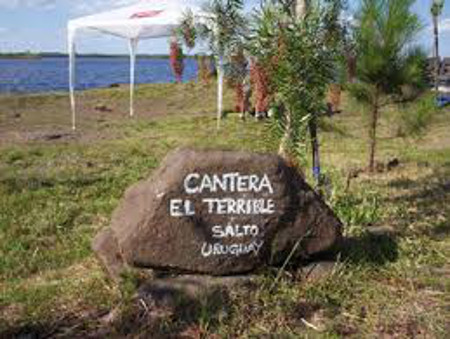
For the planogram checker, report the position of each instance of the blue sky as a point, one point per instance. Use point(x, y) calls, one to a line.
point(40, 25)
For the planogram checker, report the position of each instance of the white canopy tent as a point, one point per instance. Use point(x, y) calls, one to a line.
point(144, 20)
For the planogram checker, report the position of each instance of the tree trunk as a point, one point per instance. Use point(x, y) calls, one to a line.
point(219, 90)
point(373, 134)
point(283, 150)
point(298, 9)
point(301, 8)
point(436, 51)
point(315, 148)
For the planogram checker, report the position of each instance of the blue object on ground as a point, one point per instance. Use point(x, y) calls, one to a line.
point(443, 100)
point(316, 171)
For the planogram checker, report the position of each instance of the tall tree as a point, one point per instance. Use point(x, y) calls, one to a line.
point(436, 11)
point(387, 58)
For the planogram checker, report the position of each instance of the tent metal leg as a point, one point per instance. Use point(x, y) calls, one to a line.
point(133, 47)
point(72, 56)
point(220, 72)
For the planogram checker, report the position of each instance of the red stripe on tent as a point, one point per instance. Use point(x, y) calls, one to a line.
point(145, 14)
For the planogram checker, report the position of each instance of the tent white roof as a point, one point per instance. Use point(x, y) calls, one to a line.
point(144, 20)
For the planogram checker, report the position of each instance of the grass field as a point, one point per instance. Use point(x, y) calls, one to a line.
point(58, 189)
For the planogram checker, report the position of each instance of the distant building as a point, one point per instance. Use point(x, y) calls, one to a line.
point(443, 71)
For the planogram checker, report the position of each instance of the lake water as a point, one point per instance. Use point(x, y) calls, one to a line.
point(51, 74)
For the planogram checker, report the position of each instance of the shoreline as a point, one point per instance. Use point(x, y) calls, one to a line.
point(86, 56)
point(114, 86)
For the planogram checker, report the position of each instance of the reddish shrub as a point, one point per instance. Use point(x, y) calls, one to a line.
point(239, 97)
point(176, 60)
point(260, 83)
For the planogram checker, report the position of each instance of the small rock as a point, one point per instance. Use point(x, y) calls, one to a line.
point(318, 270)
point(102, 108)
point(381, 230)
point(392, 164)
point(56, 136)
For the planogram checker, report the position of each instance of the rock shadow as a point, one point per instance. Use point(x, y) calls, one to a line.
point(428, 201)
point(170, 307)
point(369, 248)
point(374, 249)
point(178, 306)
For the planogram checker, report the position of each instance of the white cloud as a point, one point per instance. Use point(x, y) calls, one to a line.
point(79, 6)
point(444, 25)
point(92, 6)
point(84, 6)
point(43, 4)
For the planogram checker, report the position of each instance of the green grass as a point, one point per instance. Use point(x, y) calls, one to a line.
point(55, 195)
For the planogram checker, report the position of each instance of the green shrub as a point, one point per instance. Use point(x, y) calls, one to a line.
point(415, 118)
point(357, 211)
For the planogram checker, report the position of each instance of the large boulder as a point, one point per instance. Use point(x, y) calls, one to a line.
point(219, 213)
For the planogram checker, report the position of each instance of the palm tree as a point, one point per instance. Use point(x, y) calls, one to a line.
point(186, 31)
point(221, 25)
point(387, 60)
point(436, 11)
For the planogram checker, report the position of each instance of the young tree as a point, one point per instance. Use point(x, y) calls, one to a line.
point(436, 11)
point(333, 40)
point(223, 29)
point(299, 63)
point(387, 60)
